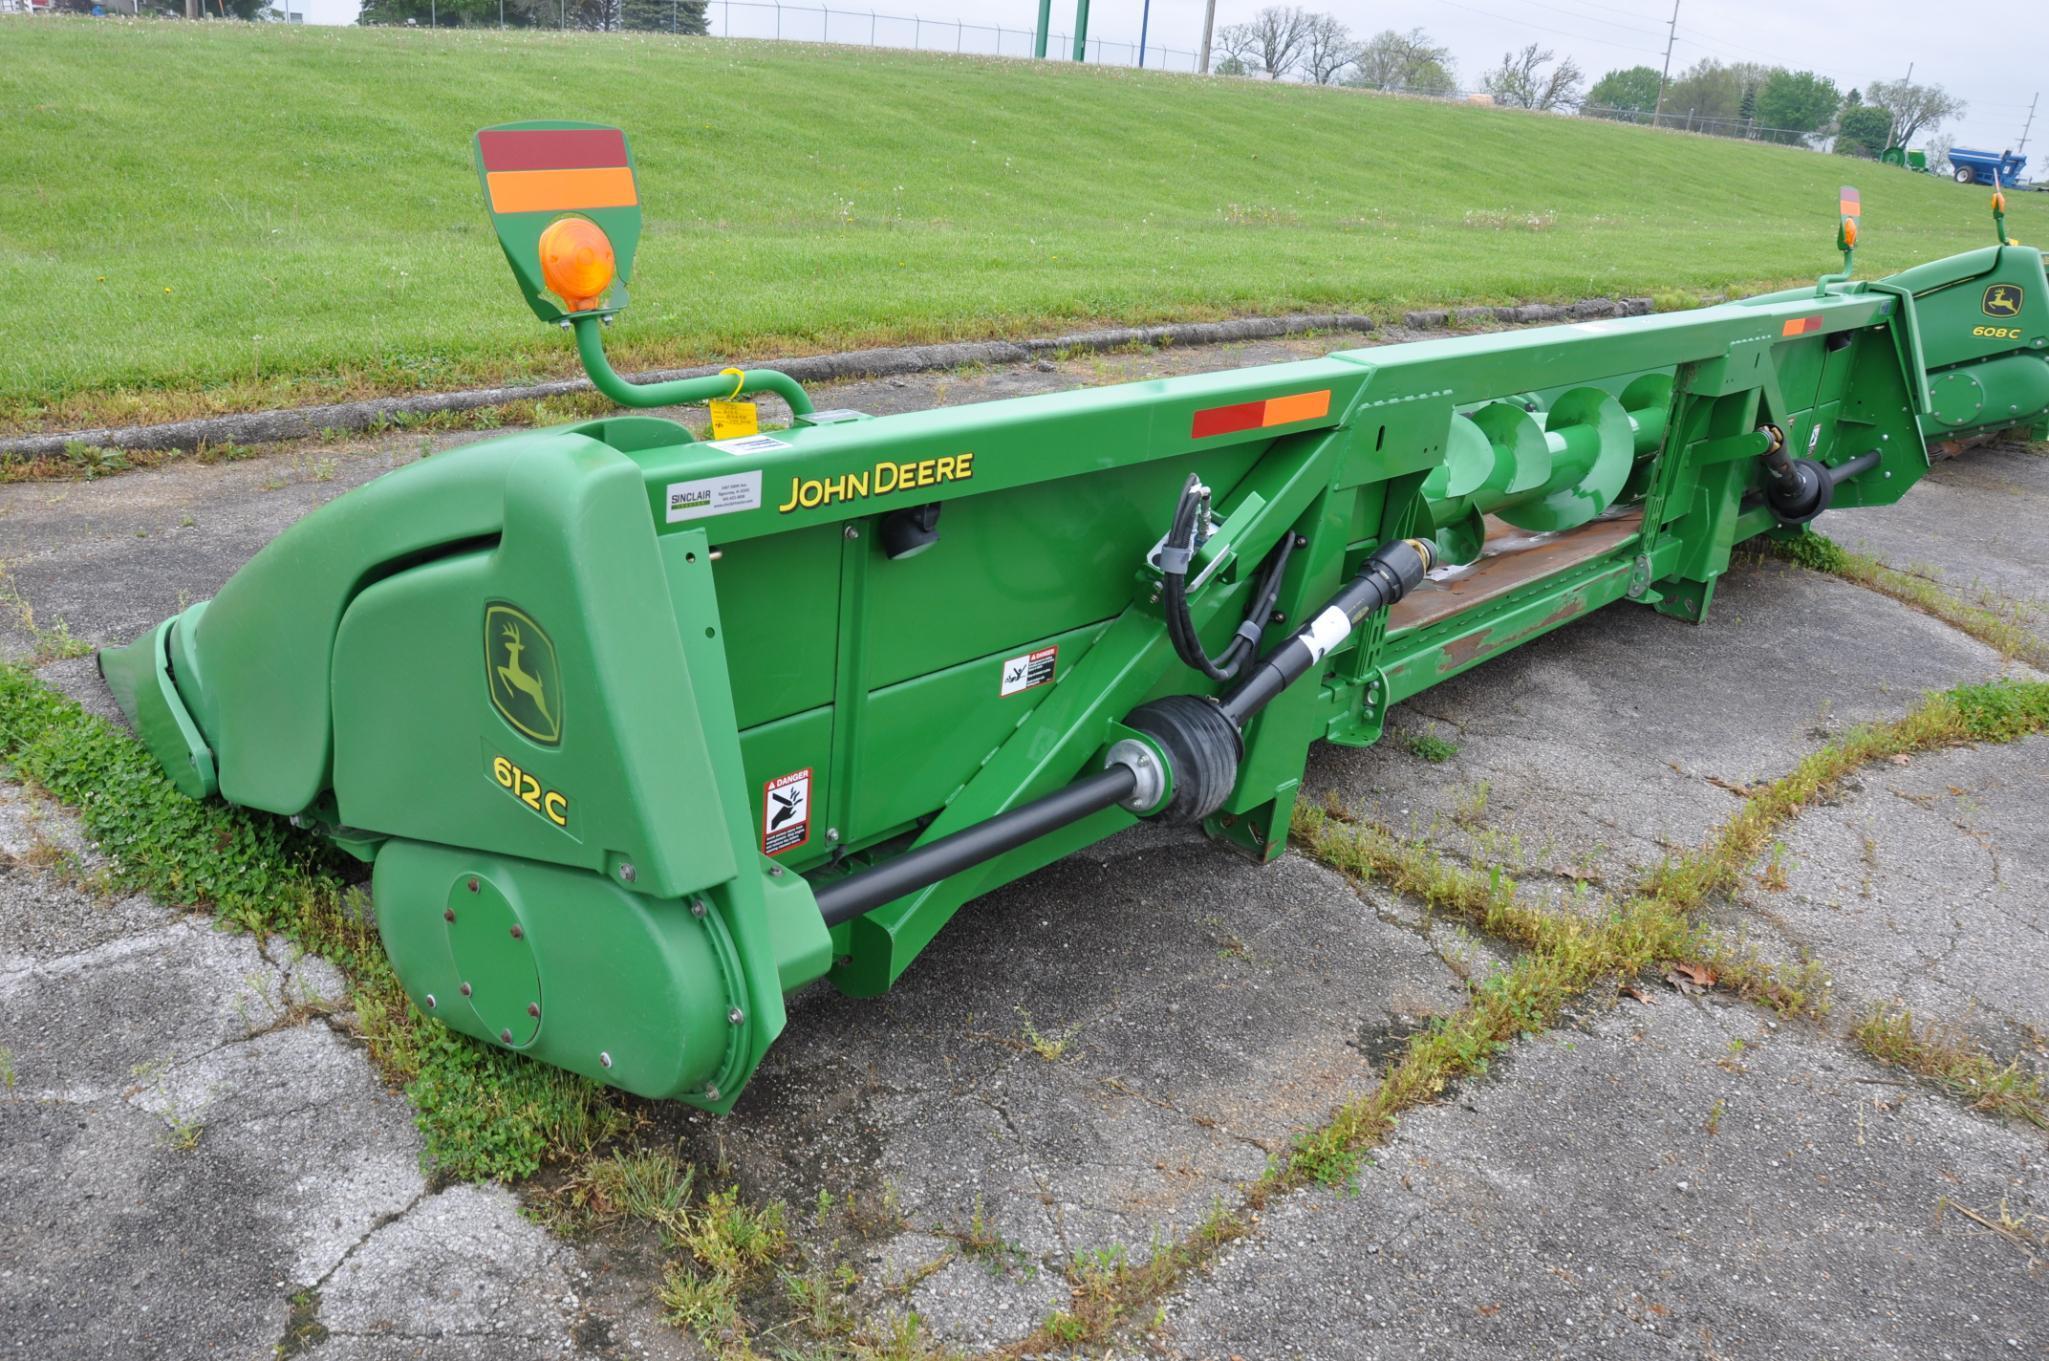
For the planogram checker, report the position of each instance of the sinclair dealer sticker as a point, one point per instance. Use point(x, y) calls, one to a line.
point(1022, 673)
point(714, 496)
point(786, 812)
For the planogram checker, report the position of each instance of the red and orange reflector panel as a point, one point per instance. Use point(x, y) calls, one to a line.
point(554, 170)
point(1851, 203)
point(1229, 420)
point(1801, 326)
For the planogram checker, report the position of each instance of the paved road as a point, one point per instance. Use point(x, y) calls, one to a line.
point(1680, 1178)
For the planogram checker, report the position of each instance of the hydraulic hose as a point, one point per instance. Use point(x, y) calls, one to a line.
point(1175, 558)
point(1389, 574)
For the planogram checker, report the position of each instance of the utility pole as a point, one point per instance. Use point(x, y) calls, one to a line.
point(2031, 123)
point(1671, 33)
point(1145, 18)
point(1209, 21)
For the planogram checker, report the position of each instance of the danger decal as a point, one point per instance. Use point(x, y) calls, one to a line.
point(786, 812)
point(1023, 673)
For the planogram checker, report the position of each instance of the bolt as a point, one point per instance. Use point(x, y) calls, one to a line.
point(775, 871)
point(505, 1037)
point(604, 1059)
point(517, 931)
point(735, 1016)
point(431, 1003)
point(853, 531)
point(832, 834)
point(697, 908)
point(533, 1009)
point(465, 989)
point(711, 1091)
point(473, 884)
point(627, 874)
point(448, 915)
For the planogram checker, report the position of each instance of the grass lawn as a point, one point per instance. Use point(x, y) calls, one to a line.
point(204, 217)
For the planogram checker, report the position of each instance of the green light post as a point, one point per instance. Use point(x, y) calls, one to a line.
point(1045, 24)
point(1081, 30)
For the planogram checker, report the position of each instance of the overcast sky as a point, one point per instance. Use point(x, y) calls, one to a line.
point(1993, 53)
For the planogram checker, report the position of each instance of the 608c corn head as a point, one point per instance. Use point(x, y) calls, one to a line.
point(643, 732)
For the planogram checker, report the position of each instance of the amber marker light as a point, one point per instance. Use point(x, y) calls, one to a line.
point(577, 263)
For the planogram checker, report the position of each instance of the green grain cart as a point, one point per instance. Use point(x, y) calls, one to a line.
point(642, 732)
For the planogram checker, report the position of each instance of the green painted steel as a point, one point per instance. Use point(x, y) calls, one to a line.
point(639, 697)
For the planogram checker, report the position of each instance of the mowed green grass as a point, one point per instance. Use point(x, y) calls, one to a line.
point(218, 216)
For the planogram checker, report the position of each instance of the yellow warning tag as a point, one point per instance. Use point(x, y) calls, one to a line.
point(730, 420)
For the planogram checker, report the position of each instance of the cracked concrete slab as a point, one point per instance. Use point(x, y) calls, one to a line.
point(187, 1143)
point(1204, 1010)
point(1591, 753)
point(1675, 1180)
point(1979, 523)
point(1923, 887)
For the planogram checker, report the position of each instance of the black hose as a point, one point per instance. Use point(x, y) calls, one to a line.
point(1176, 557)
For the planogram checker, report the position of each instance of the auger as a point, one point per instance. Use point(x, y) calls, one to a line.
point(641, 732)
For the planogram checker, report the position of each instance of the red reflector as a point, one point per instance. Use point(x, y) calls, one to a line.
point(552, 148)
point(1225, 420)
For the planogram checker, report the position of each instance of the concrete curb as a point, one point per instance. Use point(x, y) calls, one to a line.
point(270, 427)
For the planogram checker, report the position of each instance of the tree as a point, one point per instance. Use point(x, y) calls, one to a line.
point(1792, 104)
point(1405, 62)
point(665, 16)
point(1279, 32)
point(1938, 153)
point(466, 13)
point(1706, 93)
point(1862, 131)
point(1522, 82)
point(1622, 93)
point(1912, 107)
point(1240, 45)
point(1327, 48)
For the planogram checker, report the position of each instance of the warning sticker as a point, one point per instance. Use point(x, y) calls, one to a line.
point(749, 444)
point(714, 496)
point(786, 812)
point(1022, 673)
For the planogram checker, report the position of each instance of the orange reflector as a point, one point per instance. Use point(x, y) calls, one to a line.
point(1849, 233)
point(1226, 420)
point(1998, 201)
point(1800, 326)
point(1850, 202)
point(576, 262)
point(560, 191)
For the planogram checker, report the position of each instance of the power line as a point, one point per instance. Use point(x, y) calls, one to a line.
point(1524, 23)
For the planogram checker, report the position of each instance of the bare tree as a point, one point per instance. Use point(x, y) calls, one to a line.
point(1240, 46)
point(1912, 107)
point(1327, 48)
point(1938, 153)
point(1280, 31)
point(1406, 62)
point(1522, 82)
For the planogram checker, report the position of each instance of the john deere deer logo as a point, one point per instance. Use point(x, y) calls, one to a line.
point(2003, 300)
point(521, 672)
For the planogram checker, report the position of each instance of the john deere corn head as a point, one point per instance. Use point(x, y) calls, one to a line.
point(642, 732)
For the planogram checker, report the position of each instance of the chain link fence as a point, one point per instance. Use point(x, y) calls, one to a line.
point(872, 28)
